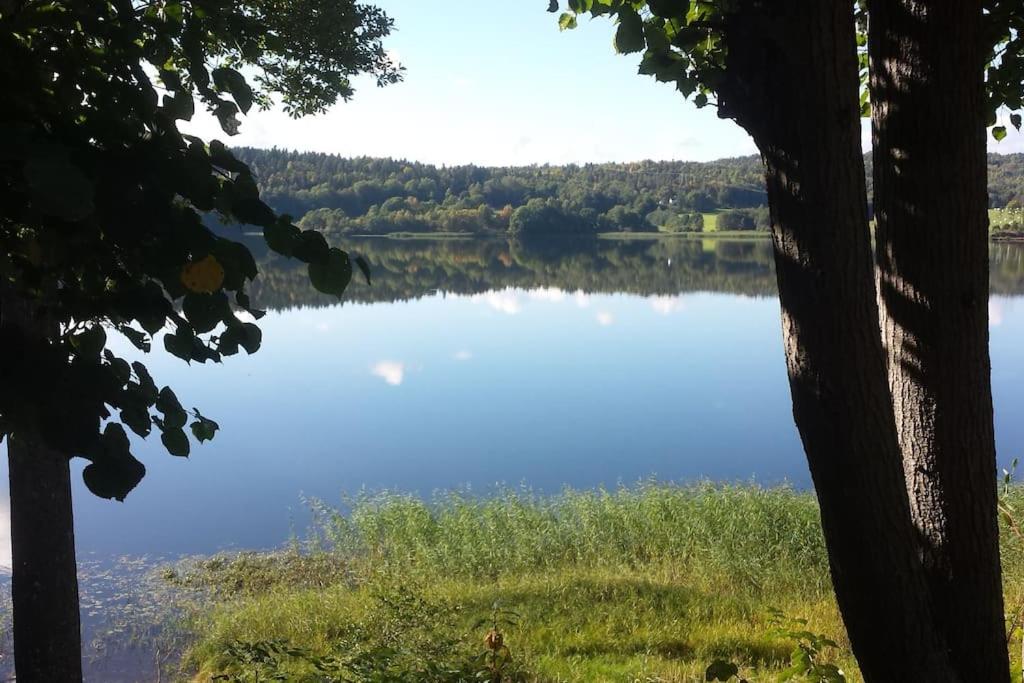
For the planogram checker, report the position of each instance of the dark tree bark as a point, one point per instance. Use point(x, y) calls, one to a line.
point(792, 82)
point(47, 639)
point(47, 635)
point(931, 208)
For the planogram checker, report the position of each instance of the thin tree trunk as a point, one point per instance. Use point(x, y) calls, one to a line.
point(47, 635)
point(931, 208)
point(792, 79)
point(47, 639)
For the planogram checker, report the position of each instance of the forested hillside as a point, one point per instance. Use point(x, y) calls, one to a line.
point(377, 196)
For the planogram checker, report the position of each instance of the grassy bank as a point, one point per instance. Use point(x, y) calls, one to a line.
point(649, 583)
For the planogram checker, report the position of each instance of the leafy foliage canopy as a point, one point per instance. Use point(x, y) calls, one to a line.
point(106, 207)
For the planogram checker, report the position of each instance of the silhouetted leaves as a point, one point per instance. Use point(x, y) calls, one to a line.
point(176, 442)
point(106, 207)
point(229, 80)
point(114, 472)
point(203, 428)
point(629, 37)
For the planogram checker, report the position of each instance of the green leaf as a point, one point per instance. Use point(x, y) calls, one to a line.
point(654, 34)
point(668, 9)
point(114, 479)
point(999, 132)
point(179, 344)
point(180, 106)
point(203, 428)
point(114, 471)
point(174, 415)
point(119, 368)
point(247, 335)
point(1015, 119)
point(567, 21)
point(281, 237)
point(205, 311)
point(332, 275)
point(629, 37)
point(229, 80)
point(59, 188)
point(138, 419)
point(252, 211)
point(176, 442)
point(91, 342)
point(663, 65)
point(225, 112)
point(222, 157)
point(138, 339)
point(146, 384)
point(252, 337)
point(720, 670)
point(242, 299)
point(310, 247)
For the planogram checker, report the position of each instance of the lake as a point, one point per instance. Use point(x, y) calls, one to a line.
point(480, 364)
point(471, 364)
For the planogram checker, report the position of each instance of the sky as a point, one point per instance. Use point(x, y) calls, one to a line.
point(496, 83)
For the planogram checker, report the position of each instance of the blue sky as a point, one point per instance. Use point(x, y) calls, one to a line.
point(496, 83)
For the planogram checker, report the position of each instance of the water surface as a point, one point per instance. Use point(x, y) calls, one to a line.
point(474, 364)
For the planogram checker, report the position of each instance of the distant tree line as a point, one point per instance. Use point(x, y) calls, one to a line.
point(380, 196)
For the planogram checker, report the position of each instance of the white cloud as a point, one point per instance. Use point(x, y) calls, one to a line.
point(582, 300)
point(392, 372)
point(666, 305)
point(504, 301)
point(604, 318)
point(995, 313)
point(462, 355)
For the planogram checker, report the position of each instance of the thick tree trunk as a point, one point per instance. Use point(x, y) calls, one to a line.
point(47, 636)
point(792, 83)
point(931, 202)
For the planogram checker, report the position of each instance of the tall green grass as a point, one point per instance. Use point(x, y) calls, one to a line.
point(645, 583)
point(747, 535)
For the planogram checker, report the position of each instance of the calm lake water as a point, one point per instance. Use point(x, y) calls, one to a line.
point(473, 364)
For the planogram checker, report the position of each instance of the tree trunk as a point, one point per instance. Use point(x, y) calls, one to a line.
point(47, 635)
point(47, 639)
point(792, 78)
point(931, 208)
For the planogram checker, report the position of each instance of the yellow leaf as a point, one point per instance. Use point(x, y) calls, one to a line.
point(204, 276)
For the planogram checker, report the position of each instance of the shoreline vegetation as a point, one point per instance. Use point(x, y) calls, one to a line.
point(645, 583)
point(344, 197)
